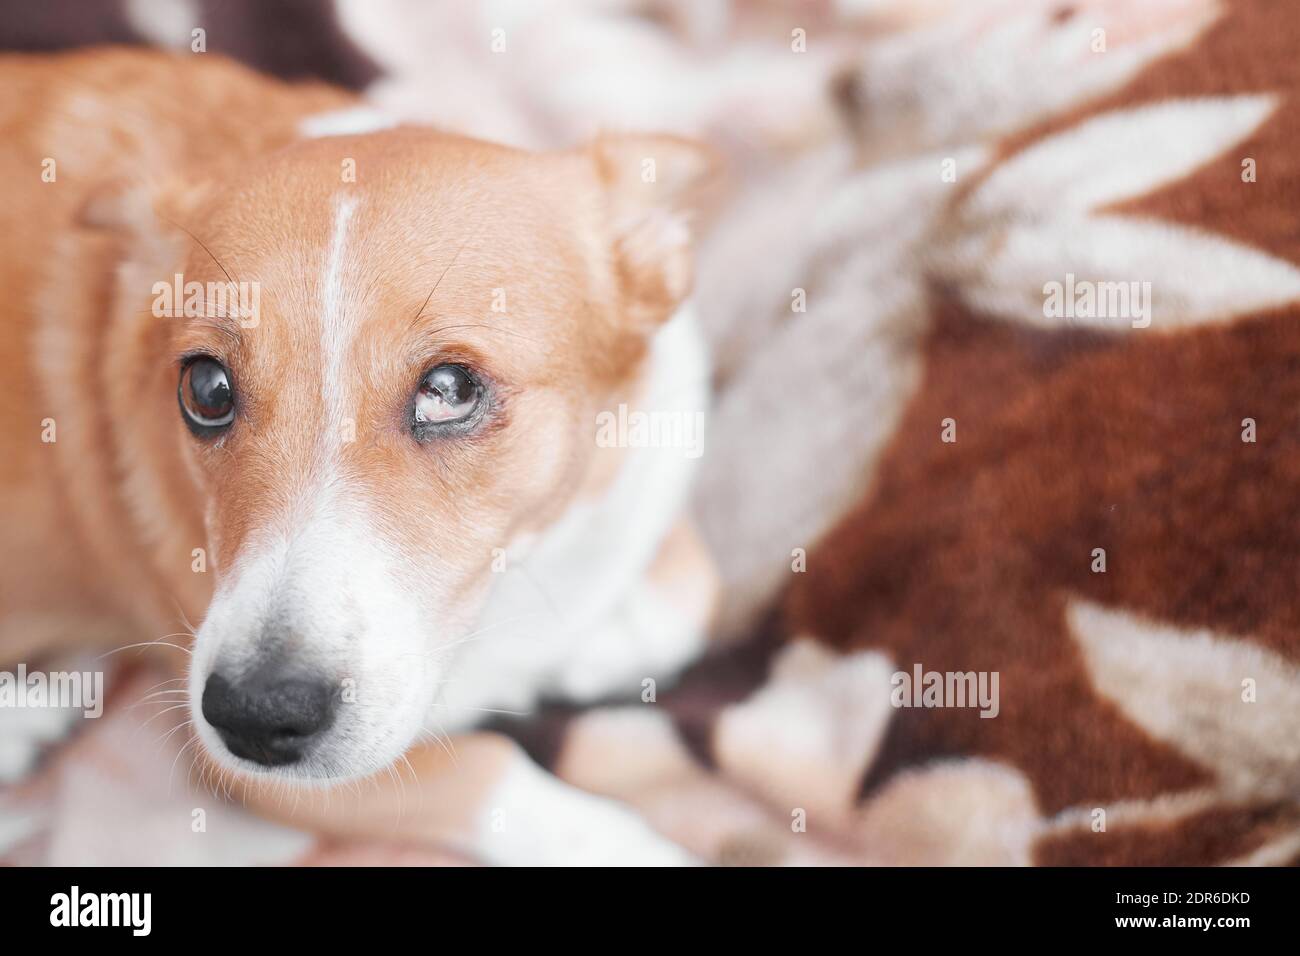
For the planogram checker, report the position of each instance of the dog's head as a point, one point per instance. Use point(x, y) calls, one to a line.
point(416, 335)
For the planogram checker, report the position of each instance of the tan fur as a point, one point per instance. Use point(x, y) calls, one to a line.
point(72, 549)
point(195, 166)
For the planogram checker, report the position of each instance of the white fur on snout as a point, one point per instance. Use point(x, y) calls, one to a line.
point(327, 599)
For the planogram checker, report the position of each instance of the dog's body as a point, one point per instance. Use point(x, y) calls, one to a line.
point(332, 536)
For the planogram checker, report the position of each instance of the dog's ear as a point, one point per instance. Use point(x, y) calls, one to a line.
point(654, 186)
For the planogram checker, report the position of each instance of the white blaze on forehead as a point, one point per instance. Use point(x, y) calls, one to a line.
point(320, 585)
point(336, 322)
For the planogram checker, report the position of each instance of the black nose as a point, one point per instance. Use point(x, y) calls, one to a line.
point(269, 720)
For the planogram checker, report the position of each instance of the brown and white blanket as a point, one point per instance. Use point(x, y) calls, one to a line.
point(1008, 393)
point(1087, 489)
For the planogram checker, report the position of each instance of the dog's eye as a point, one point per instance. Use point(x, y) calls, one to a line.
point(207, 400)
point(448, 395)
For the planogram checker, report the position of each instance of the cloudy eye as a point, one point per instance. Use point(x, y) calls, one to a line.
point(207, 400)
point(449, 395)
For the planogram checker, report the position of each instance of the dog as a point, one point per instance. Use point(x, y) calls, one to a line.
point(334, 391)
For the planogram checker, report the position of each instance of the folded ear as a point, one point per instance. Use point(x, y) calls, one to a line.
point(655, 186)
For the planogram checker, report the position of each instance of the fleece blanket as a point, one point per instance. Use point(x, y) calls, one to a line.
point(1071, 491)
point(1009, 569)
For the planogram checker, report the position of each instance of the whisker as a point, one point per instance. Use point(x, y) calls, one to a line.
point(401, 795)
point(443, 740)
point(161, 683)
point(160, 713)
point(157, 643)
point(185, 621)
point(181, 726)
point(191, 742)
point(144, 701)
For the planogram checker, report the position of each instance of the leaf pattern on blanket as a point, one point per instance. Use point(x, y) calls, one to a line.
point(1189, 688)
point(1039, 218)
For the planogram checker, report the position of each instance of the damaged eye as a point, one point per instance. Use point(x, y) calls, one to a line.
point(449, 395)
point(206, 397)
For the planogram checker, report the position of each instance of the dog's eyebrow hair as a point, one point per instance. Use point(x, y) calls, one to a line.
point(420, 311)
point(216, 319)
point(461, 248)
point(221, 324)
point(204, 246)
point(480, 325)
